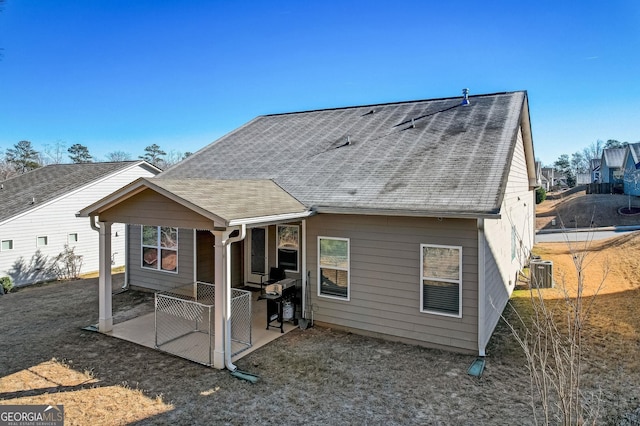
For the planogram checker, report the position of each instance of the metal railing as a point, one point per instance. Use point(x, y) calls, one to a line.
point(185, 321)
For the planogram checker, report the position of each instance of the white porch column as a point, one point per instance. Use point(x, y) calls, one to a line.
point(105, 320)
point(219, 282)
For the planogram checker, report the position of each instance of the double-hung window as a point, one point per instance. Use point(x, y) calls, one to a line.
point(288, 247)
point(441, 280)
point(160, 248)
point(333, 267)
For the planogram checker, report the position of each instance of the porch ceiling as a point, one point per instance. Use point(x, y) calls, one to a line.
point(201, 203)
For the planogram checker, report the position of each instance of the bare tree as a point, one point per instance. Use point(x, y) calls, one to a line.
point(172, 158)
point(551, 338)
point(632, 179)
point(53, 154)
point(593, 151)
point(117, 156)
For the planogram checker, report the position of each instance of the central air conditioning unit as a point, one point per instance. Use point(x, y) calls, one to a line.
point(541, 273)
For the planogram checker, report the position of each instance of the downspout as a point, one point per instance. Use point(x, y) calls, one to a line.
point(304, 267)
point(227, 295)
point(125, 285)
point(92, 222)
point(481, 289)
point(95, 227)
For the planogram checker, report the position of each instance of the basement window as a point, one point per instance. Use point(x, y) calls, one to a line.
point(6, 245)
point(333, 267)
point(441, 280)
point(160, 248)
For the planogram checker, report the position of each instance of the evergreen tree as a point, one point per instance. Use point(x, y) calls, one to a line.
point(79, 153)
point(23, 157)
point(153, 154)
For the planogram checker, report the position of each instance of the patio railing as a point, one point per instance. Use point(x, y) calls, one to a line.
point(185, 321)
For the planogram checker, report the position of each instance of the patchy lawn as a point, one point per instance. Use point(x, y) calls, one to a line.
point(316, 376)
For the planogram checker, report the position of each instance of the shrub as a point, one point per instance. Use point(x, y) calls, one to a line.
point(541, 195)
point(67, 264)
point(6, 283)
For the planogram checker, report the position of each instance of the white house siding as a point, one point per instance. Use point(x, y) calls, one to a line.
point(161, 280)
point(385, 278)
point(518, 208)
point(56, 220)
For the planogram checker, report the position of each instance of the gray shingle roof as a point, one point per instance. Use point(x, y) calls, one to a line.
point(233, 199)
point(634, 149)
point(45, 184)
point(613, 157)
point(451, 159)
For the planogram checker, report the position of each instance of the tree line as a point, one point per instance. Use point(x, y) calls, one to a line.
point(580, 161)
point(23, 157)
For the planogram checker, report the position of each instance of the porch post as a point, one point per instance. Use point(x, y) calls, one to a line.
point(105, 320)
point(219, 282)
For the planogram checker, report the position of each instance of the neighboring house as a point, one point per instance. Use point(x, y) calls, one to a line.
point(631, 167)
point(408, 221)
point(583, 178)
point(38, 216)
point(611, 165)
point(594, 166)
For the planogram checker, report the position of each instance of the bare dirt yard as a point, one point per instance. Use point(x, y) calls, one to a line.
point(314, 376)
point(580, 210)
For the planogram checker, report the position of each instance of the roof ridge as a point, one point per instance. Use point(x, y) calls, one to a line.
point(389, 103)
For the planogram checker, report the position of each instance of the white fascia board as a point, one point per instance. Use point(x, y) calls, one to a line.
point(270, 220)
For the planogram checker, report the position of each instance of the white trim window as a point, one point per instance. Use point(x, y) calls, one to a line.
point(334, 268)
point(42, 241)
point(288, 247)
point(6, 245)
point(72, 238)
point(159, 248)
point(441, 280)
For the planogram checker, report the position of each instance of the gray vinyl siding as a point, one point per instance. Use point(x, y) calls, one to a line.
point(385, 277)
point(518, 209)
point(161, 280)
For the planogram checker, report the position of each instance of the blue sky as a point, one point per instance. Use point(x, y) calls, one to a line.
point(121, 75)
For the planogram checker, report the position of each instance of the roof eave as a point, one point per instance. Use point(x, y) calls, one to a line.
point(270, 220)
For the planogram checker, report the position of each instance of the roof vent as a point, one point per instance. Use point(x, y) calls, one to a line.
point(465, 100)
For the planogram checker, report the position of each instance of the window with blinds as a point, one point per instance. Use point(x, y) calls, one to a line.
point(441, 280)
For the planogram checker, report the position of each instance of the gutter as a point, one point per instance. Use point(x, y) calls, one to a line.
point(401, 212)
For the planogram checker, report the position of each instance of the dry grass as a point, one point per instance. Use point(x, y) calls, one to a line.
point(316, 376)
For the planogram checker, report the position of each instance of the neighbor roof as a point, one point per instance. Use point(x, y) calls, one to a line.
point(433, 156)
point(613, 157)
point(44, 184)
point(634, 149)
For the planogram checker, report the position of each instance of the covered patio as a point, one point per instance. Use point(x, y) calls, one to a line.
point(223, 209)
point(142, 330)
